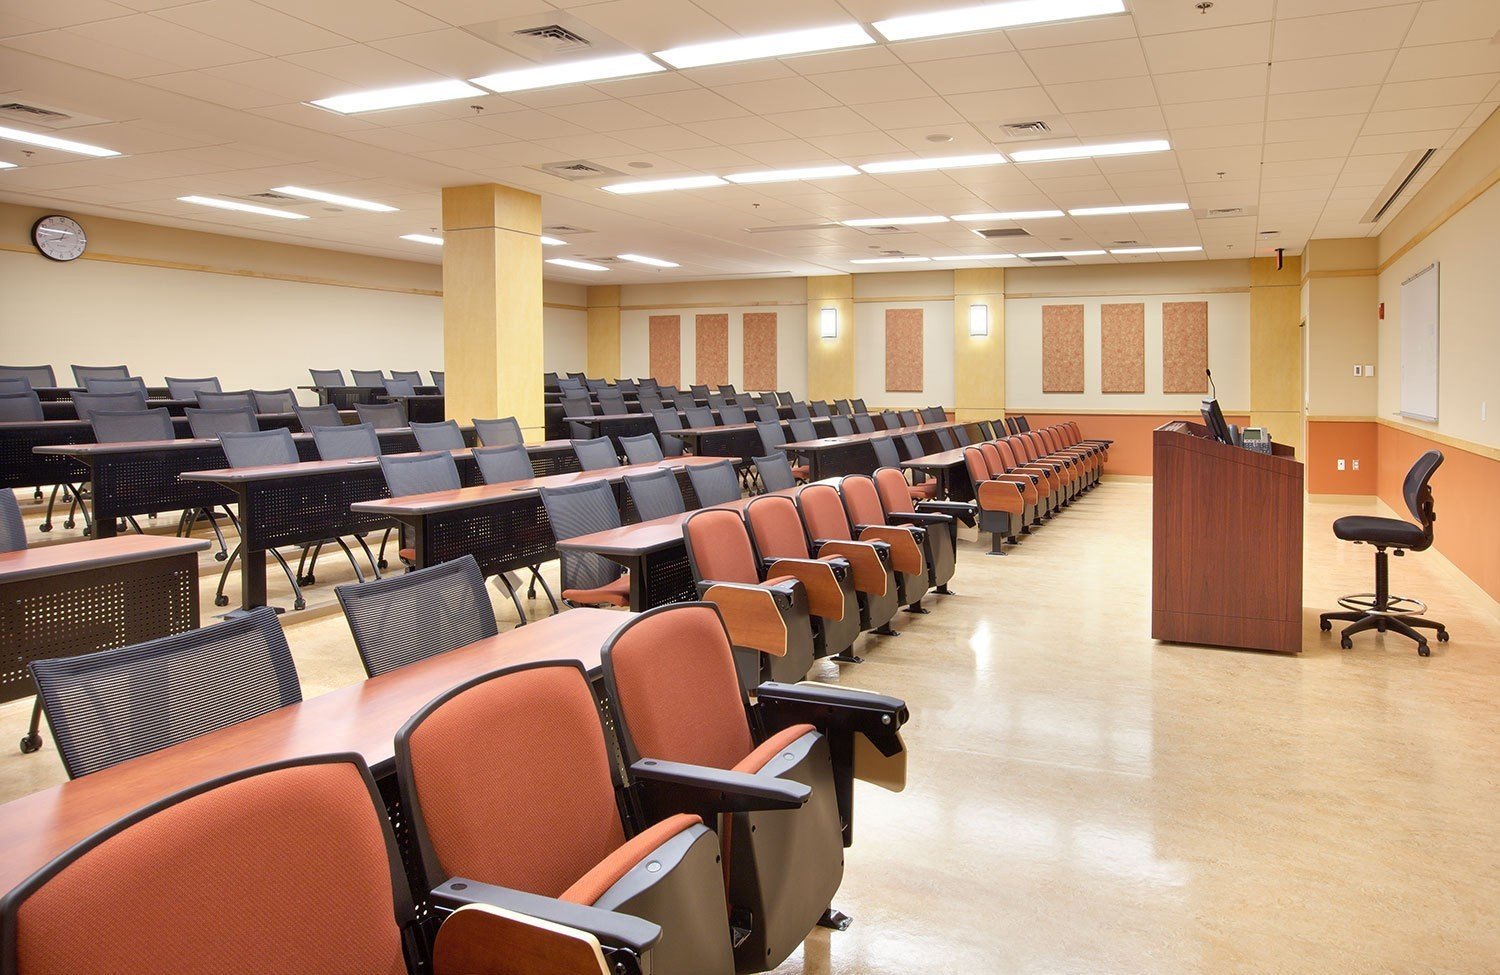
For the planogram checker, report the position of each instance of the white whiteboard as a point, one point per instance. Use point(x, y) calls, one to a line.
point(1419, 345)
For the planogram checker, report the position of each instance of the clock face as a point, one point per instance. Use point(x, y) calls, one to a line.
point(60, 238)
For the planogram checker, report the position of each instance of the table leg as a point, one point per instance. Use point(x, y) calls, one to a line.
point(252, 578)
point(636, 566)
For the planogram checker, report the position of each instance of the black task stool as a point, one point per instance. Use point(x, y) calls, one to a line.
point(1380, 610)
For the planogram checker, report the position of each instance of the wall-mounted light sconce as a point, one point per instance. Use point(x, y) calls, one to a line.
point(979, 320)
point(828, 323)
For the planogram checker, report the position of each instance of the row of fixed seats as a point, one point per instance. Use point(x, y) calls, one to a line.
point(1022, 477)
point(398, 383)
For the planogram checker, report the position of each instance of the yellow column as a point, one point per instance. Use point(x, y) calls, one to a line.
point(1276, 349)
point(978, 360)
point(604, 331)
point(830, 361)
point(492, 304)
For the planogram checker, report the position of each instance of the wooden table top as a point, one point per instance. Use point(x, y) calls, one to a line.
point(361, 718)
point(71, 422)
point(86, 450)
point(943, 458)
point(98, 553)
point(314, 468)
point(644, 537)
point(824, 443)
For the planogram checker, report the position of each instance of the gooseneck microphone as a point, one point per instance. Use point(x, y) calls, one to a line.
point(1212, 388)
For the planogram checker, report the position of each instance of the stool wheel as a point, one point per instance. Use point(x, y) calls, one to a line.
point(45, 527)
point(1423, 650)
point(300, 604)
point(1346, 643)
point(1324, 625)
point(221, 600)
point(1442, 636)
point(31, 743)
point(220, 556)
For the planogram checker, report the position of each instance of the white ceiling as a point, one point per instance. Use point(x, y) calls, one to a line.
point(1298, 111)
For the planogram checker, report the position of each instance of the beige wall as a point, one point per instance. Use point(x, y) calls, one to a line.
point(1340, 302)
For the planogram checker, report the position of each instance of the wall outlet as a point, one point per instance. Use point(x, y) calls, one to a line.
point(1341, 463)
point(1356, 463)
point(1369, 370)
point(1359, 370)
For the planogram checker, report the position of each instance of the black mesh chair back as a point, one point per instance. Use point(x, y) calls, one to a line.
point(577, 376)
point(259, 449)
point(16, 385)
point(501, 465)
point(858, 405)
point(414, 377)
point(842, 426)
point(310, 417)
point(656, 494)
point(39, 377)
point(986, 429)
point(754, 414)
point(596, 455)
point(571, 386)
point(946, 441)
point(188, 388)
point(240, 399)
point(802, 430)
point(648, 383)
point(645, 449)
point(800, 411)
point(132, 426)
point(612, 402)
point(1417, 490)
point(12, 526)
point(775, 471)
point(627, 386)
point(864, 423)
point(841, 407)
point(890, 420)
point(717, 401)
point(582, 509)
point(549, 380)
point(699, 391)
point(347, 441)
point(908, 418)
point(912, 445)
point(208, 424)
point(715, 483)
point(114, 705)
point(129, 384)
point(729, 390)
point(771, 435)
point(368, 377)
point(886, 454)
point(381, 416)
point(400, 619)
point(328, 377)
point(82, 374)
point(595, 385)
point(274, 400)
point(499, 433)
point(699, 417)
point(649, 399)
point(961, 434)
point(820, 408)
point(669, 420)
point(785, 399)
point(1023, 425)
point(440, 380)
point(85, 404)
point(577, 404)
point(21, 408)
point(400, 387)
point(442, 435)
point(936, 414)
point(407, 474)
point(731, 413)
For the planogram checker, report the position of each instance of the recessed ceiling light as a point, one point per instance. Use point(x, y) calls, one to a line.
point(343, 201)
point(1089, 152)
point(210, 201)
point(892, 221)
point(888, 260)
point(934, 162)
point(787, 175)
point(993, 16)
point(423, 239)
point(643, 259)
point(52, 142)
point(975, 257)
point(1011, 215)
point(569, 73)
point(767, 46)
point(6, 165)
point(401, 97)
point(552, 242)
point(1135, 208)
point(1155, 250)
point(660, 185)
point(577, 265)
point(1062, 254)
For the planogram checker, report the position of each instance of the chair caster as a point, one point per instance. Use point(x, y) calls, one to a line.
point(381, 564)
point(1346, 643)
point(307, 580)
point(1324, 625)
point(69, 523)
point(45, 526)
point(31, 743)
point(220, 556)
point(221, 600)
point(300, 604)
point(1423, 650)
point(1442, 636)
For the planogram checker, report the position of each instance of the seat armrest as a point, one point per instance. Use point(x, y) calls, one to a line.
point(962, 510)
point(480, 939)
point(613, 930)
point(905, 542)
point(825, 588)
point(829, 709)
point(865, 562)
point(752, 614)
point(1001, 496)
point(679, 787)
point(921, 519)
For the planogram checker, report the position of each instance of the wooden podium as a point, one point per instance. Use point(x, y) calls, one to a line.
point(1226, 543)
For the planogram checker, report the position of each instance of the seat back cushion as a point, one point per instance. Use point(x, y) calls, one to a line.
point(721, 547)
point(778, 528)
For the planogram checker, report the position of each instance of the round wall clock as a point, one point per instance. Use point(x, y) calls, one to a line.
point(59, 238)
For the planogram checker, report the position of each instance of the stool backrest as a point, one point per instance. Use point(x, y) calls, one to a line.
point(1417, 489)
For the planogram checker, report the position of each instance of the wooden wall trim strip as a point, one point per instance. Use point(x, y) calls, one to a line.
point(1358, 272)
point(558, 304)
point(1474, 193)
point(1479, 449)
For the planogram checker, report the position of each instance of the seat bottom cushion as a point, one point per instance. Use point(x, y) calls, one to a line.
point(925, 491)
point(616, 593)
point(592, 885)
point(1381, 531)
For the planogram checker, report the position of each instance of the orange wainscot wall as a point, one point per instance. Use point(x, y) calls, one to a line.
point(1131, 433)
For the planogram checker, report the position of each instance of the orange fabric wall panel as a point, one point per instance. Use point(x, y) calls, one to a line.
point(1122, 348)
point(1326, 443)
point(1062, 348)
point(903, 350)
point(760, 350)
point(1184, 346)
point(666, 349)
point(1467, 530)
point(712, 356)
point(1131, 452)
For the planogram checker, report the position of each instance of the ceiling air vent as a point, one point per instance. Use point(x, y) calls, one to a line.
point(577, 170)
point(1405, 173)
point(278, 199)
point(559, 229)
point(883, 230)
point(1026, 130)
point(32, 113)
point(554, 37)
point(1044, 260)
point(1000, 233)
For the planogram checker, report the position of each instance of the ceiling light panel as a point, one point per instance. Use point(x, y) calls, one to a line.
point(993, 16)
point(423, 239)
point(893, 221)
point(218, 204)
point(975, 257)
point(767, 46)
point(1155, 250)
point(1090, 152)
point(788, 175)
point(1129, 208)
point(569, 73)
point(334, 198)
point(643, 259)
point(552, 242)
point(576, 265)
point(1012, 215)
point(52, 142)
point(401, 97)
point(934, 162)
point(662, 185)
point(6, 165)
point(1062, 254)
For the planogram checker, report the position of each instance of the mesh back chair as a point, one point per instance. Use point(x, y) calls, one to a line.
point(644, 449)
point(582, 509)
point(800, 411)
point(85, 404)
point(729, 390)
point(946, 441)
point(132, 425)
point(503, 465)
point(577, 405)
point(549, 380)
point(698, 417)
point(820, 408)
point(577, 376)
point(401, 619)
point(842, 427)
point(241, 399)
point(886, 454)
point(346, 441)
point(188, 388)
point(499, 433)
point(17, 385)
point(785, 399)
point(328, 377)
point(802, 430)
point(772, 437)
point(650, 400)
point(612, 402)
point(400, 387)
point(21, 407)
point(775, 472)
point(368, 377)
point(442, 435)
point(731, 413)
point(571, 385)
point(627, 386)
point(95, 384)
point(274, 400)
point(656, 494)
point(864, 423)
point(12, 527)
point(716, 401)
point(841, 407)
point(381, 416)
point(208, 424)
point(408, 474)
point(715, 483)
point(39, 377)
point(82, 374)
point(858, 406)
point(311, 417)
point(754, 414)
point(440, 380)
point(596, 455)
point(668, 420)
point(413, 377)
point(908, 418)
point(113, 705)
point(698, 390)
point(595, 385)
point(912, 444)
point(961, 435)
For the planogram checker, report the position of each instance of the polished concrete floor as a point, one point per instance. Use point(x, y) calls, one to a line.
point(1084, 800)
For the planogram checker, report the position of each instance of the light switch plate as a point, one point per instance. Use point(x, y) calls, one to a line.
point(1369, 370)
